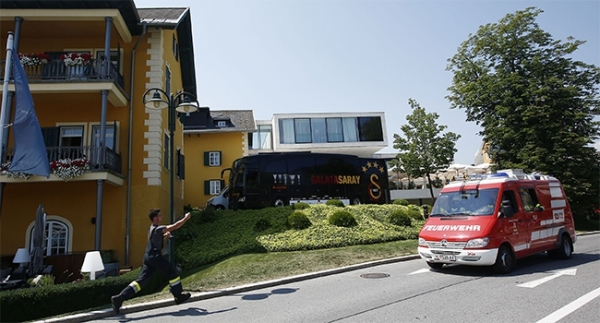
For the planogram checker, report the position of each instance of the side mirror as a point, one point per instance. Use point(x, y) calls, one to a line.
point(506, 209)
point(425, 213)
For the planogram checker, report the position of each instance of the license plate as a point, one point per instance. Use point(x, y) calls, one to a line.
point(446, 257)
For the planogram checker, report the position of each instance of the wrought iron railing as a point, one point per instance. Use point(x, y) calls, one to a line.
point(98, 162)
point(56, 71)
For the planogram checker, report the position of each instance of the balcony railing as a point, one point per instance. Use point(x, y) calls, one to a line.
point(112, 160)
point(56, 71)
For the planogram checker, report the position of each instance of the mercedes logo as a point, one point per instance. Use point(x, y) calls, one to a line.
point(444, 243)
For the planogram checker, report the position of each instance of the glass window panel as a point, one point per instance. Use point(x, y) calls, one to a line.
point(302, 129)
point(286, 131)
point(319, 130)
point(110, 136)
point(334, 130)
point(370, 129)
point(350, 130)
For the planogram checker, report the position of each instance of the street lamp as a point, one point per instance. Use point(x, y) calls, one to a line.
point(174, 103)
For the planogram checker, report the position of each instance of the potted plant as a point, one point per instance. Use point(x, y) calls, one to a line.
point(111, 262)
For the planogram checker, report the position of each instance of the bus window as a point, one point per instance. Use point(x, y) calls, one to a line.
point(252, 180)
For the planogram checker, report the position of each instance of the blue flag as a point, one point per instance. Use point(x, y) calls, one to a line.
point(30, 155)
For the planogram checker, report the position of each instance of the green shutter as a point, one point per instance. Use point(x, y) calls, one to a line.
point(206, 187)
point(206, 158)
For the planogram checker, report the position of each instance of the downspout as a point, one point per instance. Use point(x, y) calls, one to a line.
point(7, 100)
point(128, 211)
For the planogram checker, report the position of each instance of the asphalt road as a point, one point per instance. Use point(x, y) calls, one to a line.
point(539, 290)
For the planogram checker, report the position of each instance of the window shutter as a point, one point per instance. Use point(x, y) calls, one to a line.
point(220, 158)
point(222, 185)
point(206, 187)
point(206, 158)
point(180, 165)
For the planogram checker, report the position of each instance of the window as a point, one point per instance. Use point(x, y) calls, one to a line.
point(71, 136)
point(56, 238)
point(334, 130)
point(167, 151)
point(262, 138)
point(110, 136)
point(350, 126)
point(528, 198)
point(175, 48)
point(115, 58)
point(213, 187)
point(369, 129)
point(286, 131)
point(212, 158)
point(221, 123)
point(319, 130)
point(302, 130)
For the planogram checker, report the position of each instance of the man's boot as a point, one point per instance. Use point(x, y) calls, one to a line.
point(116, 301)
point(182, 298)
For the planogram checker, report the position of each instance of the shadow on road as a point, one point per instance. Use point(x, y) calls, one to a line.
point(191, 312)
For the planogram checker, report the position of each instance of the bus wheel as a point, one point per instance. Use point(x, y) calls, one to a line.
point(355, 201)
point(279, 201)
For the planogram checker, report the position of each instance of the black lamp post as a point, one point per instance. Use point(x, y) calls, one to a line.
point(174, 103)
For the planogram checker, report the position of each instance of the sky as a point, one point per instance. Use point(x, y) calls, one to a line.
point(291, 56)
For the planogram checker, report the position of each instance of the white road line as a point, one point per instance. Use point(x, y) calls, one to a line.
point(571, 307)
point(420, 271)
point(537, 282)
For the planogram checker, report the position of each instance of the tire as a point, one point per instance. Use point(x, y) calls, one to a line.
point(355, 201)
point(279, 201)
point(219, 207)
point(435, 265)
point(505, 261)
point(564, 250)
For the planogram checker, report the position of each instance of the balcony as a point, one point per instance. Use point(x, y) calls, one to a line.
point(95, 75)
point(109, 169)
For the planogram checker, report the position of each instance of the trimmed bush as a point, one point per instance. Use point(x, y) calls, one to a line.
point(401, 202)
point(298, 220)
point(262, 225)
point(342, 219)
point(415, 212)
point(301, 206)
point(400, 218)
point(335, 202)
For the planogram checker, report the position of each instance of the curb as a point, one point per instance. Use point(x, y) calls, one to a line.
point(99, 314)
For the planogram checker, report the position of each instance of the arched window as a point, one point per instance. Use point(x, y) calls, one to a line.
point(57, 236)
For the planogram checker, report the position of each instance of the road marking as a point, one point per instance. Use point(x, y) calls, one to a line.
point(537, 282)
point(571, 307)
point(420, 271)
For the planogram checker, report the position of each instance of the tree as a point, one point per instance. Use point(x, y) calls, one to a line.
point(536, 105)
point(423, 149)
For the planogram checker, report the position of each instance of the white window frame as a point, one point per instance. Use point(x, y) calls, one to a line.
point(214, 158)
point(55, 223)
point(91, 135)
point(214, 187)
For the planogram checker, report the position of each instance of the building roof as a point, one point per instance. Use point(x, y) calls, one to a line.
point(237, 121)
point(179, 19)
point(126, 8)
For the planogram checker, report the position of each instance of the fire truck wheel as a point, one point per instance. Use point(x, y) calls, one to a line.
point(356, 201)
point(565, 250)
point(505, 261)
point(435, 265)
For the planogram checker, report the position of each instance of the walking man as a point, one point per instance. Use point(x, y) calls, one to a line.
point(154, 260)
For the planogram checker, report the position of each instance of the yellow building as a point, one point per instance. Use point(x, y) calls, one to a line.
point(213, 140)
point(92, 109)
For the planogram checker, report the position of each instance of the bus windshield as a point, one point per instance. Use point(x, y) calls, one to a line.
point(466, 202)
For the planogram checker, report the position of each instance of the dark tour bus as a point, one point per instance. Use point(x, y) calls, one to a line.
point(279, 179)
